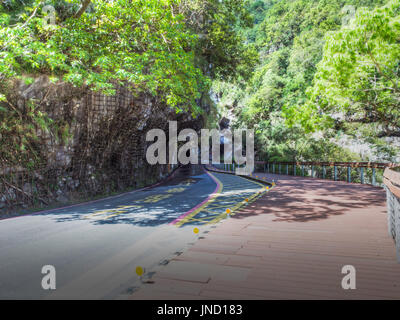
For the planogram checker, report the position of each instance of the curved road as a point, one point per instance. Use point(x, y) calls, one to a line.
point(95, 247)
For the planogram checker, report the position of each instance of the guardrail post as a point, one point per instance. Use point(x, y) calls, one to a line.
point(268, 167)
point(312, 171)
point(397, 226)
point(273, 168)
point(393, 206)
point(394, 219)
point(287, 169)
point(294, 169)
point(279, 169)
point(391, 214)
point(323, 172)
point(302, 170)
point(373, 176)
point(362, 175)
point(348, 174)
point(335, 173)
point(265, 167)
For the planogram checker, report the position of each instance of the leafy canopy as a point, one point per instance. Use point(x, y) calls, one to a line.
point(284, 101)
point(142, 44)
point(357, 81)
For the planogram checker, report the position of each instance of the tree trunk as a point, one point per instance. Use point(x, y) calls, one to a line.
point(83, 8)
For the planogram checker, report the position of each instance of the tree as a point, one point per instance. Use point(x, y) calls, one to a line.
point(221, 51)
point(140, 44)
point(357, 81)
point(291, 41)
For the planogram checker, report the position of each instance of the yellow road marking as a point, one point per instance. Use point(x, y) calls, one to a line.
point(99, 212)
point(215, 206)
point(187, 182)
point(156, 198)
point(211, 211)
point(139, 271)
point(115, 214)
point(175, 190)
point(191, 216)
point(238, 205)
point(214, 196)
point(127, 207)
point(199, 219)
point(115, 211)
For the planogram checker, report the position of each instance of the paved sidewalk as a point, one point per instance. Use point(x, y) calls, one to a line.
point(290, 244)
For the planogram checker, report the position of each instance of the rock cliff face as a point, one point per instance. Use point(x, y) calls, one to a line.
point(97, 145)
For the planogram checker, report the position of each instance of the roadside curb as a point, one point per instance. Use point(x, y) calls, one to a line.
point(212, 169)
point(200, 205)
point(253, 198)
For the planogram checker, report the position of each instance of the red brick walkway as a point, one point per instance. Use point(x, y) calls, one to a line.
point(290, 244)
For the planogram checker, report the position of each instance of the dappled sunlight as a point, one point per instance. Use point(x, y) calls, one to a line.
point(304, 199)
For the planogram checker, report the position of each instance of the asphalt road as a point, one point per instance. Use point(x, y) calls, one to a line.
point(95, 247)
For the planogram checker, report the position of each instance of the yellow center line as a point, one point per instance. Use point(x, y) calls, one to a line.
point(210, 211)
point(98, 213)
point(117, 211)
point(214, 197)
point(211, 206)
point(199, 219)
point(115, 214)
point(240, 204)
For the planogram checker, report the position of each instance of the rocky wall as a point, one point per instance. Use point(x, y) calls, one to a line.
point(96, 145)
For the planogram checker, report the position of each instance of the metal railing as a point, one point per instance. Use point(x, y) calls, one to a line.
point(225, 166)
point(374, 173)
point(386, 175)
point(391, 180)
point(361, 172)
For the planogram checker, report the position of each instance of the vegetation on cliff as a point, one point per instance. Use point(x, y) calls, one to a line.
point(328, 73)
point(305, 74)
point(171, 49)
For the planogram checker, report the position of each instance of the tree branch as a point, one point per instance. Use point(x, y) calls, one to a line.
point(388, 134)
point(82, 9)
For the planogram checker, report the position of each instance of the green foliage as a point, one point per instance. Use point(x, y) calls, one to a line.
point(357, 79)
point(301, 73)
point(282, 143)
point(170, 49)
point(18, 133)
point(275, 102)
point(220, 49)
point(141, 44)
